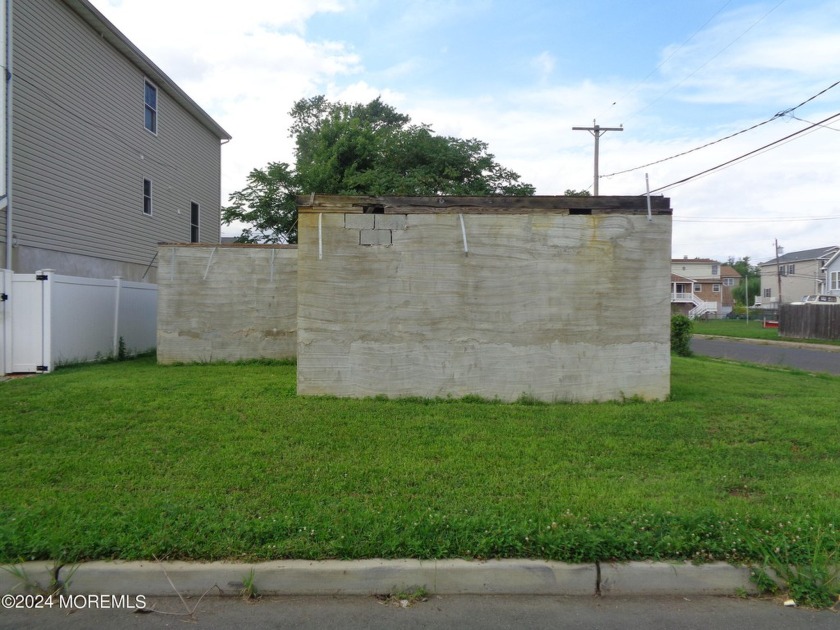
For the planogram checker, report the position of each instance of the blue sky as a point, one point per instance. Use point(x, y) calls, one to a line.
point(519, 75)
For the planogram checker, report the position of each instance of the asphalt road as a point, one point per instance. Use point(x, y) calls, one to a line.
point(770, 353)
point(462, 612)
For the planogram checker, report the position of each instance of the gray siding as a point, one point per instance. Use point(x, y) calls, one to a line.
point(81, 151)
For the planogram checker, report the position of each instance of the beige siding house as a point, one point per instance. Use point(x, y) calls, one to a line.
point(107, 156)
point(799, 273)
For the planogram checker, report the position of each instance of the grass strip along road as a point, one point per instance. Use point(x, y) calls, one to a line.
point(133, 460)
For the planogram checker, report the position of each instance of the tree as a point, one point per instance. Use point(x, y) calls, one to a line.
point(362, 149)
point(576, 193)
point(267, 203)
point(750, 280)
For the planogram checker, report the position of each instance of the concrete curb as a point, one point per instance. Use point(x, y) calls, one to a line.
point(366, 577)
point(773, 342)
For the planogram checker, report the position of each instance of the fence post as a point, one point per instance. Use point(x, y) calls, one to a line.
point(117, 287)
point(46, 319)
point(5, 322)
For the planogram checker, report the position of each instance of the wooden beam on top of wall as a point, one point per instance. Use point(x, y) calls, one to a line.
point(487, 205)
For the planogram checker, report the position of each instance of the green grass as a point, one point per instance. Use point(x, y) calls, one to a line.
point(132, 460)
point(746, 330)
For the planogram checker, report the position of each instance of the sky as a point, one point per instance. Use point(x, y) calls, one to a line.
point(519, 74)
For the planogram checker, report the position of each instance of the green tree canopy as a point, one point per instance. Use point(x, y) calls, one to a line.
point(362, 149)
point(750, 280)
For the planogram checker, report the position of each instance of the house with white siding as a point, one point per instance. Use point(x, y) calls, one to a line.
point(104, 155)
point(832, 274)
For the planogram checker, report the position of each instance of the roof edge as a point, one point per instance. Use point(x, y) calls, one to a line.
point(110, 33)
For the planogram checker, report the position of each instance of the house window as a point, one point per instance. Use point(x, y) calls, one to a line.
point(194, 212)
point(768, 293)
point(835, 281)
point(791, 269)
point(715, 270)
point(715, 288)
point(729, 282)
point(151, 108)
point(147, 196)
point(698, 288)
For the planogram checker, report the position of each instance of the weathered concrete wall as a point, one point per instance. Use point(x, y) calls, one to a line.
point(226, 302)
point(546, 303)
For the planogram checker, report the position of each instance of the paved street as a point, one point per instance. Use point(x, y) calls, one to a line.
point(463, 612)
point(770, 353)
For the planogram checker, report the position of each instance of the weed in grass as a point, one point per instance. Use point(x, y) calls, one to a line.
point(811, 575)
point(529, 399)
point(56, 586)
point(404, 598)
point(249, 588)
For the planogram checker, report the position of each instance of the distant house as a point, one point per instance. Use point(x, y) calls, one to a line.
point(798, 273)
point(702, 287)
point(106, 156)
point(831, 273)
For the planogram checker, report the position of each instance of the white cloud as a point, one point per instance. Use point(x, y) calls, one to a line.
point(544, 64)
point(248, 72)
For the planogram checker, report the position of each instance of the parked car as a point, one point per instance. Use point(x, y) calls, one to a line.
point(819, 299)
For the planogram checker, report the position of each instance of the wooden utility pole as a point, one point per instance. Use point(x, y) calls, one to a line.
point(779, 273)
point(597, 131)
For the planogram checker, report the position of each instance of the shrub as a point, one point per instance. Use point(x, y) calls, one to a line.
point(681, 335)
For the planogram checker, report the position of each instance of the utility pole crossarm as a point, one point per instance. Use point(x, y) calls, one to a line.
point(597, 131)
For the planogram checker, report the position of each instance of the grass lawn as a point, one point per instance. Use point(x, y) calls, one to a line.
point(747, 330)
point(130, 460)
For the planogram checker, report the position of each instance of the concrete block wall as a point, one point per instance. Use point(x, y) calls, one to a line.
point(226, 302)
point(552, 298)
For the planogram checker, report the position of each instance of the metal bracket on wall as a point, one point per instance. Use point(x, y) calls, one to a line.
point(42, 276)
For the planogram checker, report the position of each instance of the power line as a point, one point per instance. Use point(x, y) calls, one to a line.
point(754, 220)
point(746, 155)
point(668, 58)
point(708, 61)
point(811, 123)
point(787, 112)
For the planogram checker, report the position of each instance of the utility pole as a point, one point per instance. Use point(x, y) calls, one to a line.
point(597, 131)
point(779, 273)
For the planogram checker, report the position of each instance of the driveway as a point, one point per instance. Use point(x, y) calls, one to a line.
point(808, 357)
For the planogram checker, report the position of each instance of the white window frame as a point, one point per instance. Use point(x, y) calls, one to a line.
point(148, 199)
point(768, 293)
point(698, 288)
point(834, 282)
point(729, 282)
point(715, 270)
point(791, 270)
point(150, 108)
point(715, 288)
point(195, 229)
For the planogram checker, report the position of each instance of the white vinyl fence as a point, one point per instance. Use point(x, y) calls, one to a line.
point(47, 319)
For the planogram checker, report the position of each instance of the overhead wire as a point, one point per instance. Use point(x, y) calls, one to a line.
point(786, 112)
point(708, 61)
point(713, 57)
point(746, 155)
point(752, 220)
point(668, 58)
